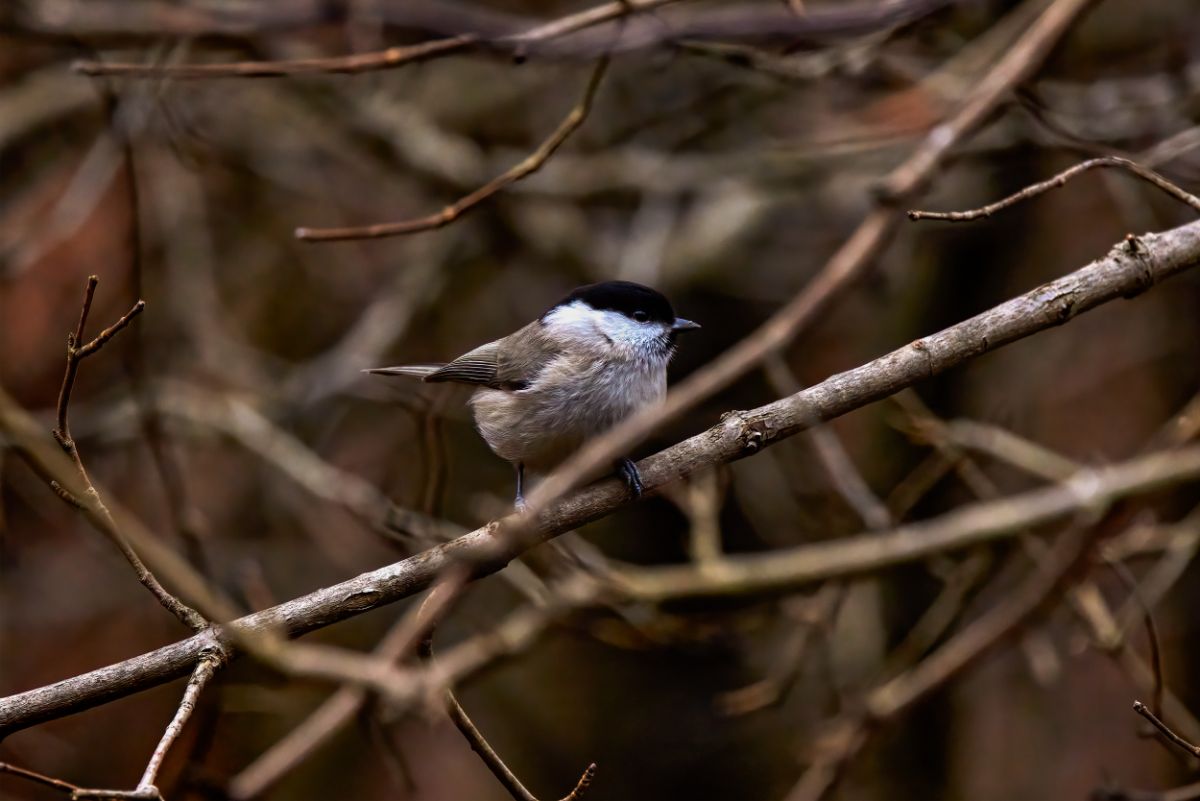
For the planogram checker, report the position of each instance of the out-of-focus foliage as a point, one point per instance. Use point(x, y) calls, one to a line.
point(724, 177)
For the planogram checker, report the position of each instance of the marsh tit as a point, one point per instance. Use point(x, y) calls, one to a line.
point(590, 361)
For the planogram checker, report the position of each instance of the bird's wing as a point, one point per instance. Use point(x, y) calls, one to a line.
point(511, 363)
point(478, 366)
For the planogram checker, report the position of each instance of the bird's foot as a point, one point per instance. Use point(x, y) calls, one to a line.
point(519, 505)
point(628, 472)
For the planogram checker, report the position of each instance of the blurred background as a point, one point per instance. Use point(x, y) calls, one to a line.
point(723, 170)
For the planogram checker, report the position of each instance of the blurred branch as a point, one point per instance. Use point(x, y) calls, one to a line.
point(846, 737)
point(341, 707)
point(1086, 598)
point(784, 569)
point(86, 498)
point(806, 615)
point(362, 62)
point(449, 214)
point(385, 59)
point(564, 37)
point(843, 474)
point(739, 434)
point(1059, 180)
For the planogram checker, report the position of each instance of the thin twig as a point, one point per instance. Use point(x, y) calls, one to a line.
point(88, 500)
point(40, 778)
point(483, 748)
point(1059, 180)
point(449, 214)
point(1121, 570)
point(1171, 736)
point(206, 666)
point(359, 62)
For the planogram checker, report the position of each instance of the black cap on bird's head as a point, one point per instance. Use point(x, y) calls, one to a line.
point(637, 302)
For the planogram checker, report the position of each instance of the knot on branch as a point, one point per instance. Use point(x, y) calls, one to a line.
point(750, 436)
point(1135, 248)
point(922, 348)
point(216, 653)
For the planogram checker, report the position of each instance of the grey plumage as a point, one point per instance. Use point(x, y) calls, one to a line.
point(589, 362)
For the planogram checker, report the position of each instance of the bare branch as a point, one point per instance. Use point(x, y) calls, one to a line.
point(960, 653)
point(1166, 730)
point(39, 778)
point(1060, 180)
point(564, 37)
point(206, 666)
point(362, 62)
point(85, 497)
point(385, 59)
point(483, 748)
point(528, 166)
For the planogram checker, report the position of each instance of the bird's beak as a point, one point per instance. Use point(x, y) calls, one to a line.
point(681, 324)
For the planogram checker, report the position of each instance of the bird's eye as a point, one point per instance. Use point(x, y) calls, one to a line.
point(641, 316)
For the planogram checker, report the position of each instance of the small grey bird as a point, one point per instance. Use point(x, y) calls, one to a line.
point(591, 360)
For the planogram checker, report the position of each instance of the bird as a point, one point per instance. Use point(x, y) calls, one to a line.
point(588, 362)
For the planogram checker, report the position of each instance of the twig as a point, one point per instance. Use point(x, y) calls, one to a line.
point(1059, 180)
point(1171, 736)
point(40, 778)
point(1123, 573)
point(449, 214)
point(361, 62)
point(384, 59)
point(737, 436)
point(206, 666)
point(483, 748)
point(88, 500)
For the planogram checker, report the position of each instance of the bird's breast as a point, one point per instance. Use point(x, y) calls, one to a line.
point(570, 401)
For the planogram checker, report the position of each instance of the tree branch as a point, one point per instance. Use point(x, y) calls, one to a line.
point(479, 744)
point(520, 37)
point(1061, 179)
point(531, 164)
point(1166, 730)
point(85, 497)
point(1119, 274)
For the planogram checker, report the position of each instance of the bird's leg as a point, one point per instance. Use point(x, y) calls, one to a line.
point(519, 503)
point(628, 472)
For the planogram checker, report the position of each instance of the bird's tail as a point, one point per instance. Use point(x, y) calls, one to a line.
point(421, 371)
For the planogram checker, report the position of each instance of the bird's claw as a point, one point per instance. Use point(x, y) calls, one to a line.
point(628, 472)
